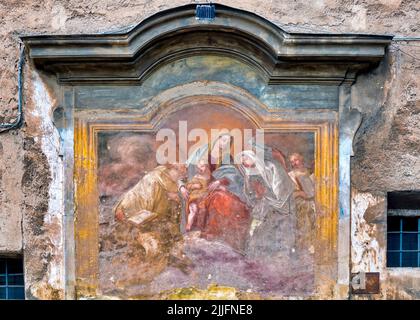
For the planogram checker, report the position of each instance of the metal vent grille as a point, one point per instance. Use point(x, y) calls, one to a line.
point(205, 12)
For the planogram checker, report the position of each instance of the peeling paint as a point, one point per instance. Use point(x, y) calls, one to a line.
point(53, 219)
point(366, 253)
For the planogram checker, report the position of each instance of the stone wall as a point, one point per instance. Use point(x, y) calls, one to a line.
point(386, 147)
point(387, 158)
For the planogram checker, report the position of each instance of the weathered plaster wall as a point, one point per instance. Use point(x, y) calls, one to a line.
point(387, 158)
point(387, 144)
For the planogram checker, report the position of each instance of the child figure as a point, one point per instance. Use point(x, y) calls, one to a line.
point(197, 187)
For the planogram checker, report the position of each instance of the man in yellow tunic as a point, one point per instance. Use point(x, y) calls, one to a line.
point(153, 205)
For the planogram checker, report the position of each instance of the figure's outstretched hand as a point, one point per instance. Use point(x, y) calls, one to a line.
point(184, 192)
point(119, 215)
point(214, 185)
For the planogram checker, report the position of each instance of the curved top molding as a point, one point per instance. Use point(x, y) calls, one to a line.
point(247, 36)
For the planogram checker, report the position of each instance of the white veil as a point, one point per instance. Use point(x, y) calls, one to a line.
point(275, 178)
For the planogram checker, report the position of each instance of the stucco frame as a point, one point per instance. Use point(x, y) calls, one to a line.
point(86, 197)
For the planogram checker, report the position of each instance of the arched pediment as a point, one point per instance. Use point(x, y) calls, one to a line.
point(279, 56)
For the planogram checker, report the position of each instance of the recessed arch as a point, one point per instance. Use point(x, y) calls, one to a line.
point(202, 93)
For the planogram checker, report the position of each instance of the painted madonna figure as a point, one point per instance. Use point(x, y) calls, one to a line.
point(222, 214)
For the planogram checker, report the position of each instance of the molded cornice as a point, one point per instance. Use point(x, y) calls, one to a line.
point(172, 34)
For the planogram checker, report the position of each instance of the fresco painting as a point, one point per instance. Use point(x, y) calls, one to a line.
point(227, 218)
